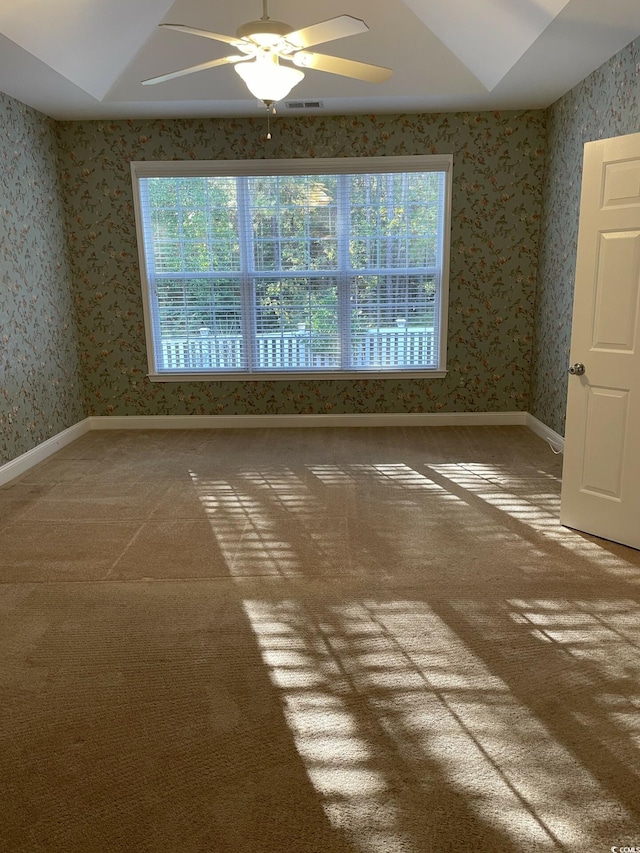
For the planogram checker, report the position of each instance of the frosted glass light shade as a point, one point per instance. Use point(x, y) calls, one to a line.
point(267, 79)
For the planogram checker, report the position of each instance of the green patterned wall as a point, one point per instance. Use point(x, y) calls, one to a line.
point(500, 199)
point(498, 167)
point(605, 104)
point(39, 389)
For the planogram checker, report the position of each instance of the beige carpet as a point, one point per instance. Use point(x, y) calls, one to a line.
point(313, 641)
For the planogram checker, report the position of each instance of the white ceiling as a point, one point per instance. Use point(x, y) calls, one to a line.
point(76, 59)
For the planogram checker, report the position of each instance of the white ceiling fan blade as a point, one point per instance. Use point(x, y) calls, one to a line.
point(334, 28)
point(182, 28)
point(192, 70)
point(343, 67)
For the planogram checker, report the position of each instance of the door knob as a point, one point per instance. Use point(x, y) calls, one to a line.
point(577, 369)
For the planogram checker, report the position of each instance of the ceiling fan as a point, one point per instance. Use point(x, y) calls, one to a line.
point(262, 44)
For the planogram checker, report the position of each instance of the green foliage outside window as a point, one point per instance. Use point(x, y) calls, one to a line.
point(293, 223)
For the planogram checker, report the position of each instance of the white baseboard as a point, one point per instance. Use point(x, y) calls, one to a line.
point(32, 457)
point(554, 438)
point(23, 463)
point(275, 421)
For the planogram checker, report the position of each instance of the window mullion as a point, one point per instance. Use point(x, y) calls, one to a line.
point(344, 232)
point(247, 270)
point(183, 266)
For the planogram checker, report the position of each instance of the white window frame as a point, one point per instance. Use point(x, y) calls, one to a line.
point(302, 166)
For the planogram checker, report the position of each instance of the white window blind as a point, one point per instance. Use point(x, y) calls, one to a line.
point(290, 270)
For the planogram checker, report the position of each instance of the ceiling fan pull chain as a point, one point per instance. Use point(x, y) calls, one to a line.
point(270, 110)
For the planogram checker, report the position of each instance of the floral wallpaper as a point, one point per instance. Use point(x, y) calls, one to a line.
point(71, 326)
point(497, 185)
point(603, 105)
point(39, 388)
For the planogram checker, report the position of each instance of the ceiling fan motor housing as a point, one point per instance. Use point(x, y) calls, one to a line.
point(264, 32)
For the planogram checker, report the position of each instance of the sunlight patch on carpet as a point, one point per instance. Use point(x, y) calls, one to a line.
point(499, 489)
point(385, 699)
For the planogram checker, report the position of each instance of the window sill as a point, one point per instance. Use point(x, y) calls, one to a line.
point(291, 376)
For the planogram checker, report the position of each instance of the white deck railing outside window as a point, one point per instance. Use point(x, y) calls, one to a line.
point(376, 348)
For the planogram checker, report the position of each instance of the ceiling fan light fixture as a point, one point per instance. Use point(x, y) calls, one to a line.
point(267, 80)
point(302, 59)
point(244, 47)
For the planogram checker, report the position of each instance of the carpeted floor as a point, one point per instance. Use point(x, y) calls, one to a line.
point(313, 641)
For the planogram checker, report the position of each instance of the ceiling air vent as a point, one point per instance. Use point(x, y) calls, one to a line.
point(304, 105)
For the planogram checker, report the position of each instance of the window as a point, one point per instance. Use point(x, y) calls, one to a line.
point(306, 267)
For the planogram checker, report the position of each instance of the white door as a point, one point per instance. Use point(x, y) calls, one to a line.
point(601, 476)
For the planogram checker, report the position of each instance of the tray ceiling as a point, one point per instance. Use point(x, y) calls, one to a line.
point(76, 59)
